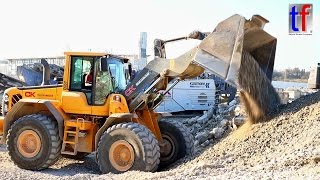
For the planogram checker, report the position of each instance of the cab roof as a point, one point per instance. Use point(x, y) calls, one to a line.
point(94, 54)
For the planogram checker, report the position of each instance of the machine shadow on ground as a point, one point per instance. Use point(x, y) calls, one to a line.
point(73, 167)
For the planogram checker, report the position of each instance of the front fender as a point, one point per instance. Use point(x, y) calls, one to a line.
point(111, 120)
point(32, 106)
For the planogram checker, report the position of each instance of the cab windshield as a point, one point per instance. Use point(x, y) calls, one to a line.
point(110, 81)
point(117, 72)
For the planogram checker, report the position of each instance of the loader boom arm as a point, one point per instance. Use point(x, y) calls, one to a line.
point(159, 44)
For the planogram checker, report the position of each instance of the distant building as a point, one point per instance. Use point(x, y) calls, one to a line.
point(143, 45)
point(140, 62)
point(9, 66)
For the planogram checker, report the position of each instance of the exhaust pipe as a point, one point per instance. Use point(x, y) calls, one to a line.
point(46, 72)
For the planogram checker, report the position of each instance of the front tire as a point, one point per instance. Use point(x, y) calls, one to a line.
point(178, 142)
point(128, 146)
point(33, 142)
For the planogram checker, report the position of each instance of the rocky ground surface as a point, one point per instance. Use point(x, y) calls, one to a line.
point(285, 147)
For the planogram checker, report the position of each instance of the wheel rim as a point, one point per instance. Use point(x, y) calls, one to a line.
point(29, 143)
point(168, 149)
point(121, 155)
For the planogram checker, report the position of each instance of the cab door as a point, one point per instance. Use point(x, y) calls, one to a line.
point(78, 99)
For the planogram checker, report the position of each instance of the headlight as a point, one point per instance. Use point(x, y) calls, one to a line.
point(6, 97)
point(117, 98)
point(4, 104)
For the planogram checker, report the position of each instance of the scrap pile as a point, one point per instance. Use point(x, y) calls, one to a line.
point(7, 82)
point(213, 124)
point(31, 74)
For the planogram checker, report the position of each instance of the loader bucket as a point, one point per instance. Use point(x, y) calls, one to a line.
point(242, 53)
point(221, 51)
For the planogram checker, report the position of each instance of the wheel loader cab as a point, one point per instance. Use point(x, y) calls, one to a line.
point(91, 78)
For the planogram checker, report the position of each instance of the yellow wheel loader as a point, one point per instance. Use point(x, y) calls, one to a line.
point(114, 118)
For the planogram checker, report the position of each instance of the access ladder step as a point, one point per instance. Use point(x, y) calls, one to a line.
point(71, 132)
point(68, 152)
point(64, 151)
point(69, 142)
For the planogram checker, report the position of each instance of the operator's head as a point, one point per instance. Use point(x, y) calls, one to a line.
point(91, 66)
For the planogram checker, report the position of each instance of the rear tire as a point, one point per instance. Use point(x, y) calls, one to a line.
point(179, 142)
point(128, 146)
point(33, 142)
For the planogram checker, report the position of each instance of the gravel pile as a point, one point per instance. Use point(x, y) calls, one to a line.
point(285, 146)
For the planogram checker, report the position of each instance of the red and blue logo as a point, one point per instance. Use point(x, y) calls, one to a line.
point(300, 18)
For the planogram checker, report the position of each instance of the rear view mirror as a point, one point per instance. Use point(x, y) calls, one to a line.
point(130, 69)
point(103, 64)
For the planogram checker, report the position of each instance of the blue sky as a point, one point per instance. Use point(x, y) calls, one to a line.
point(36, 28)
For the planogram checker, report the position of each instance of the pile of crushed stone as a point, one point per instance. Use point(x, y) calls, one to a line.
point(285, 146)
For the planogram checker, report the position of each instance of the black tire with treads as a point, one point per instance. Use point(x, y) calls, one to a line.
point(181, 138)
point(145, 146)
point(47, 130)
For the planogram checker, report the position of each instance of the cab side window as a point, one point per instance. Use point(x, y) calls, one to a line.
point(80, 68)
point(76, 73)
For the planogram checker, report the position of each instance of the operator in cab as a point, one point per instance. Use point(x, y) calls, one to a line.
point(89, 77)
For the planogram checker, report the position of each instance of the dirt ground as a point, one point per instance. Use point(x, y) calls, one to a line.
point(285, 147)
